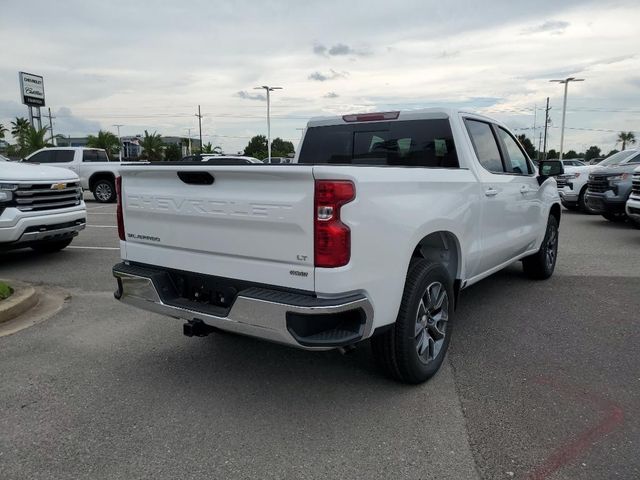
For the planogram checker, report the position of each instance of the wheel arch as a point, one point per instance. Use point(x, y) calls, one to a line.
point(97, 176)
point(555, 212)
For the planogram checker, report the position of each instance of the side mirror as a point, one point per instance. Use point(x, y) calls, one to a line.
point(549, 168)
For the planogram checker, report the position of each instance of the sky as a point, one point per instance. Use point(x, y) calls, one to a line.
point(149, 64)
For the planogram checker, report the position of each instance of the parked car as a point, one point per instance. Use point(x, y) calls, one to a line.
point(610, 184)
point(633, 204)
point(97, 173)
point(569, 165)
point(375, 232)
point(40, 207)
point(572, 186)
point(595, 161)
point(222, 159)
point(277, 160)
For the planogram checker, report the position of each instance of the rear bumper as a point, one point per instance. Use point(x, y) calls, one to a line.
point(294, 319)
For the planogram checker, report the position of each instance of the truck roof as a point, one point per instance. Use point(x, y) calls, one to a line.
point(418, 114)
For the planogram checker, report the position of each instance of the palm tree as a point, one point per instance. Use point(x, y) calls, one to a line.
point(3, 130)
point(151, 146)
point(105, 140)
point(626, 137)
point(19, 129)
point(35, 139)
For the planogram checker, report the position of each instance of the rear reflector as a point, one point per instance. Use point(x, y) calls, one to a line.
point(332, 243)
point(371, 117)
point(119, 216)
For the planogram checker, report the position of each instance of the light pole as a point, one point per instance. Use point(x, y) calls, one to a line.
point(118, 125)
point(268, 90)
point(189, 131)
point(564, 106)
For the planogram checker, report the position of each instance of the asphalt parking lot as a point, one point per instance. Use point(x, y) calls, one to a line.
point(542, 381)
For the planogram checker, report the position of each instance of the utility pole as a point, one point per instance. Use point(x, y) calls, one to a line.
point(268, 89)
point(546, 123)
point(189, 133)
point(564, 106)
point(118, 125)
point(199, 115)
point(539, 145)
point(50, 124)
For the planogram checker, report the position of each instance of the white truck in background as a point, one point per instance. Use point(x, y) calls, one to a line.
point(373, 233)
point(97, 174)
point(40, 207)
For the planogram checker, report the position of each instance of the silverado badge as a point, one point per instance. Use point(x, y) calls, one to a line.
point(58, 186)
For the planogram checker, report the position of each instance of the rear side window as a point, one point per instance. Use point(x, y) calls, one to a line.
point(414, 143)
point(485, 145)
point(101, 156)
point(94, 156)
point(64, 156)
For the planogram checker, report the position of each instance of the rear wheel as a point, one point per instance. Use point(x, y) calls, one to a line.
point(413, 350)
point(618, 217)
point(541, 264)
point(583, 204)
point(51, 247)
point(104, 191)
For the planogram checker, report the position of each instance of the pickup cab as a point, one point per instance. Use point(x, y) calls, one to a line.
point(40, 207)
point(372, 232)
point(97, 173)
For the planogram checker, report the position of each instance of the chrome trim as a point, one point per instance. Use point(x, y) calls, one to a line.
point(248, 316)
point(47, 234)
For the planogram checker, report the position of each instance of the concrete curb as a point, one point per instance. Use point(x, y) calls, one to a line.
point(23, 298)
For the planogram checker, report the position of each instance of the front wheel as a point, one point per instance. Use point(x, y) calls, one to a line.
point(104, 191)
point(413, 350)
point(584, 206)
point(541, 264)
point(51, 247)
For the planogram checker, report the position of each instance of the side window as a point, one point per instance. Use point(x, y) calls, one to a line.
point(45, 156)
point(635, 159)
point(101, 156)
point(517, 161)
point(89, 156)
point(485, 145)
point(64, 156)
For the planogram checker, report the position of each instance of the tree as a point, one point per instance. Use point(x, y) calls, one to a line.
point(592, 152)
point(3, 129)
point(281, 148)
point(209, 148)
point(19, 129)
point(551, 154)
point(105, 140)
point(612, 152)
point(172, 153)
point(626, 137)
point(151, 146)
point(35, 139)
point(257, 147)
point(526, 144)
point(570, 154)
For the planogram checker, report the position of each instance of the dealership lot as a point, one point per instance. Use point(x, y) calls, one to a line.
point(541, 381)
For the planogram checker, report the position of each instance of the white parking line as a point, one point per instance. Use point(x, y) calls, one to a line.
point(93, 248)
point(101, 206)
point(103, 213)
point(103, 226)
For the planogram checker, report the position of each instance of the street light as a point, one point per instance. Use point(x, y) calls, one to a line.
point(268, 89)
point(564, 106)
point(119, 140)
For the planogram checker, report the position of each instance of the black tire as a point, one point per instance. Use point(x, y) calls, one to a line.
point(541, 264)
point(615, 217)
point(104, 191)
point(583, 204)
point(397, 350)
point(51, 247)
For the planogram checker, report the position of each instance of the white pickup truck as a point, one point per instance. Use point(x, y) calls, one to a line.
point(40, 207)
point(97, 174)
point(373, 232)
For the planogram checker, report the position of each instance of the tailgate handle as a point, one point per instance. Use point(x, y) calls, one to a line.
point(196, 178)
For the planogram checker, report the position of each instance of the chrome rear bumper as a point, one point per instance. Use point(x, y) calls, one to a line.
point(256, 312)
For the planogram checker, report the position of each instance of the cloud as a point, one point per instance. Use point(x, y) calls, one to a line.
point(555, 27)
point(449, 54)
point(339, 49)
point(331, 75)
point(330, 95)
point(251, 96)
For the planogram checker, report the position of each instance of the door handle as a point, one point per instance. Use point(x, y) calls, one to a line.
point(491, 192)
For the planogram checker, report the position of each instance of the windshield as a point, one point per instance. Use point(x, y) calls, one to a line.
point(617, 158)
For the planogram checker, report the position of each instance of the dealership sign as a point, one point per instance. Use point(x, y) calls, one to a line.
point(32, 89)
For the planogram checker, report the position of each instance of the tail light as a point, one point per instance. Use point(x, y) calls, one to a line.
point(371, 117)
point(119, 208)
point(332, 237)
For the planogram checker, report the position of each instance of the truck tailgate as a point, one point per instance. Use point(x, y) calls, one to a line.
point(252, 223)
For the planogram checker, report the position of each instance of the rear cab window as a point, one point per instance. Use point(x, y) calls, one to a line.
point(399, 143)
